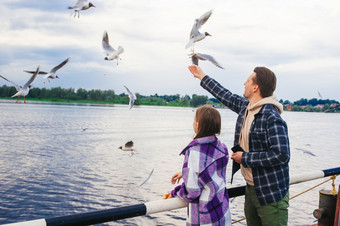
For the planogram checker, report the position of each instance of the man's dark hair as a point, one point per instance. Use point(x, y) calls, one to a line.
point(266, 80)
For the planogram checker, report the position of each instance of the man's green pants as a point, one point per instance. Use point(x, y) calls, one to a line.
point(273, 214)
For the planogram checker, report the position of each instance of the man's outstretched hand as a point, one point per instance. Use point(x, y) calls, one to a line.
point(196, 71)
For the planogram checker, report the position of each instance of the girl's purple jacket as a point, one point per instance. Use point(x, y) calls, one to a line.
point(204, 186)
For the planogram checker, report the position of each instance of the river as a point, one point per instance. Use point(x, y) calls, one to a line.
point(61, 159)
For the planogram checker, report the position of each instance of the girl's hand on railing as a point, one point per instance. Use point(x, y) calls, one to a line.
point(176, 177)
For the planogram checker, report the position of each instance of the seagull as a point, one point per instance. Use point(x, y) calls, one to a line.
point(195, 34)
point(147, 179)
point(305, 151)
point(110, 52)
point(81, 5)
point(83, 129)
point(128, 147)
point(23, 91)
point(200, 56)
point(52, 73)
point(131, 96)
point(319, 94)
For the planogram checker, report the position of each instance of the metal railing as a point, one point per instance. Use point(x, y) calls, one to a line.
point(151, 207)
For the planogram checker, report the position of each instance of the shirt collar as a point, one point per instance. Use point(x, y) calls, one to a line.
point(201, 140)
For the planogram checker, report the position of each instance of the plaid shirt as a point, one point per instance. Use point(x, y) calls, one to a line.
point(269, 151)
point(204, 186)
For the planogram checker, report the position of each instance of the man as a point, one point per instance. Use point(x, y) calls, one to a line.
point(263, 135)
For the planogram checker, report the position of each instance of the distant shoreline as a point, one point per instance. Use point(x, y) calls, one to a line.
point(110, 104)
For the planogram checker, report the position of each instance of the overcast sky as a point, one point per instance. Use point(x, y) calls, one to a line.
point(298, 39)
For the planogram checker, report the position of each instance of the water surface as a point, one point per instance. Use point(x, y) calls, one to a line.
point(50, 167)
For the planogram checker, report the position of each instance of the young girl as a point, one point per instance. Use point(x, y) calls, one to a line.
point(204, 168)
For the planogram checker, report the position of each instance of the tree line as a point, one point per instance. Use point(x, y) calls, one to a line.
point(106, 96)
point(59, 94)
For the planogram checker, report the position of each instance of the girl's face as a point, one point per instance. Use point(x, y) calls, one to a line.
point(195, 125)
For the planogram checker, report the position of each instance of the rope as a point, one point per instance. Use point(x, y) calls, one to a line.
point(331, 178)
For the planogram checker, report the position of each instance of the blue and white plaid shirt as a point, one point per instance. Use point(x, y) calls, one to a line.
point(269, 151)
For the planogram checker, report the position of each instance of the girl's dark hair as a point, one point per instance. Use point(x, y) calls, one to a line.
point(266, 80)
point(209, 121)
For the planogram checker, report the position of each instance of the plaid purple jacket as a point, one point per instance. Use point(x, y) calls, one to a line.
point(204, 186)
point(269, 150)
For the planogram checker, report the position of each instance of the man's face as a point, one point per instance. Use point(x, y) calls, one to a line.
point(249, 86)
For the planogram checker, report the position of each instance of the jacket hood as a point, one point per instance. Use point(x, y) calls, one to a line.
point(268, 100)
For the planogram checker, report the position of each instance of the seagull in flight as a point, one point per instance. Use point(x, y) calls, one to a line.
point(195, 34)
point(52, 73)
point(305, 151)
point(23, 91)
point(81, 5)
point(131, 96)
point(110, 52)
point(128, 147)
point(195, 57)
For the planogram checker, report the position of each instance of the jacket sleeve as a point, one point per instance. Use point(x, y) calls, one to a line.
point(192, 187)
point(232, 101)
point(275, 152)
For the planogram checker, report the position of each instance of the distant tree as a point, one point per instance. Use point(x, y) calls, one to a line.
point(198, 100)
point(34, 93)
point(82, 94)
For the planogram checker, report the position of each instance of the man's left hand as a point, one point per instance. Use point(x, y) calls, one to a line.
point(237, 156)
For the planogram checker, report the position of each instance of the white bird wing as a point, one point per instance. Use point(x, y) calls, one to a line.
point(131, 96)
point(120, 50)
point(209, 58)
point(106, 45)
point(17, 87)
point(80, 4)
point(199, 22)
point(56, 68)
point(32, 78)
point(147, 179)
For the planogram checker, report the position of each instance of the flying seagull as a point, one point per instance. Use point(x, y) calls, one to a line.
point(319, 94)
point(147, 179)
point(128, 147)
point(83, 129)
point(131, 96)
point(52, 73)
point(305, 151)
point(195, 57)
point(81, 5)
point(110, 52)
point(195, 34)
point(23, 91)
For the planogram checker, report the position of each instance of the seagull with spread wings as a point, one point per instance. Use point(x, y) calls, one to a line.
point(195, 34)
point(52, 74)
point(24, 90)
point(195, 57)
point(110, 52)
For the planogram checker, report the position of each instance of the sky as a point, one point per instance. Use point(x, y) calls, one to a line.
point(297, 39)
